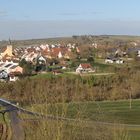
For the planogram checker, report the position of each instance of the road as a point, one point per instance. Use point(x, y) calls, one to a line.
point(16, 125)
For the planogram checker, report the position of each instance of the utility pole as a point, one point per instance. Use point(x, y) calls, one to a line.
point(130, 100)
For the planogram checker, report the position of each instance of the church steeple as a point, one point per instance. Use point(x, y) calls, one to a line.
point(10, 43)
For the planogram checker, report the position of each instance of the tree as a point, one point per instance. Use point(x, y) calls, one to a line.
point(28, 67)
point(40, 65)
point(90, 59)
point(22, 62)
point(53, 61)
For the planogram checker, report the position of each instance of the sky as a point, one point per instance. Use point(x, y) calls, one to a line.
point(29, 19)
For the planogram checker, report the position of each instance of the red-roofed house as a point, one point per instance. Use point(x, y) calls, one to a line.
point(16, 69)
point(57, 52)
point(85, 67)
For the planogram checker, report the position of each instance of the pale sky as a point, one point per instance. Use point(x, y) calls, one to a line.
point(28, 19)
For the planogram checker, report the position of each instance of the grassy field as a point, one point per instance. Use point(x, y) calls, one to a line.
point(110, 112)
point(117, 112)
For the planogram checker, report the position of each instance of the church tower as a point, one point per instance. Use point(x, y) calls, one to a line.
point(8, 50)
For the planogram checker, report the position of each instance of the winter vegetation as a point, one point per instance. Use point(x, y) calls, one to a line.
point(90, 81)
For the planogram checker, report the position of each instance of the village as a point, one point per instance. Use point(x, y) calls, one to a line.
point(69, 70)
point(10, 59)
point(18, 62)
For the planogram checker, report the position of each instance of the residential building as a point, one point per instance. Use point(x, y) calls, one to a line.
point(85, 67)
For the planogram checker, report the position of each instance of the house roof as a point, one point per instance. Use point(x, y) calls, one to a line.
point(15, 74)
point(8, 65)
point(57, 50)
point(85, 65)
point(30, 50)
point(1, 64)
point(6, 58)
point(14, 66)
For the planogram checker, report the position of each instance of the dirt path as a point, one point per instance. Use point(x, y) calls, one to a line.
point(94, 74)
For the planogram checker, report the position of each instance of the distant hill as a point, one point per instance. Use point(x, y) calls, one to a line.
point(84, 39)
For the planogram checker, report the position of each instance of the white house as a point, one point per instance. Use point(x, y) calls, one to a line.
point(13, 78)
point(8, 67)
point(138, 53)
point(1, 57)
point(119, 61)
point(109, 60)
point(84, 68)
point(95, 45)
point(114, 60)
point(60, 54)
point(29, 57)
point(41, 60)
